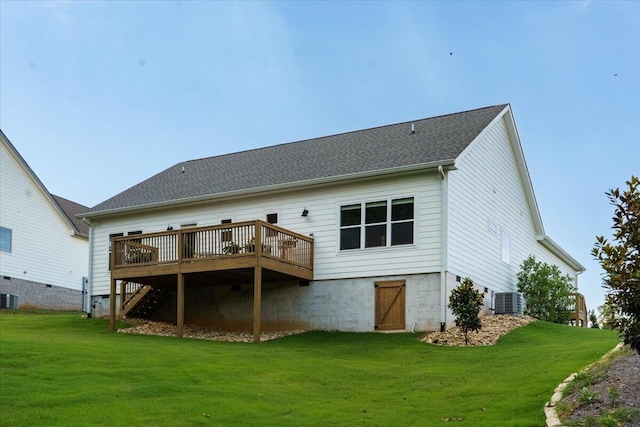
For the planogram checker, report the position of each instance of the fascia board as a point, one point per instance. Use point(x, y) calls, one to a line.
point(37, 183)
point(523, 171)
point(448, 164)
point(548, 243)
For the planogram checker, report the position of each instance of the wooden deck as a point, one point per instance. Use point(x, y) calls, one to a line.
point(579, 315)
point(231, 253)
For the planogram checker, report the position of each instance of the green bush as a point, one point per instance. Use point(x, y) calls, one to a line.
point(546, 291)
point(465, 302)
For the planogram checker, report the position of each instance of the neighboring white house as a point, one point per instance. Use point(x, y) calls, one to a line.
point(44, 247)
point(397, 214)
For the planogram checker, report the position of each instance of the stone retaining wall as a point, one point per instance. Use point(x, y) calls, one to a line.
point(41, 295)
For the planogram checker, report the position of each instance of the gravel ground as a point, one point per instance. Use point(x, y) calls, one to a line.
point(149, 327)
point(615, 384)
point(493, 327)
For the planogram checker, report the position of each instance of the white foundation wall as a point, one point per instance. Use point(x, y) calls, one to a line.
point(343, 305)
point(349, 304)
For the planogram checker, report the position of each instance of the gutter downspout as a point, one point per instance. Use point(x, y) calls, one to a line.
point(90, 273)
point(444, 247)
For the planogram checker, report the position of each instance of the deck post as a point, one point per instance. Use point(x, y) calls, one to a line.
point(180, 308)
point(257, 303)
point(123, 293)
point(112, 306)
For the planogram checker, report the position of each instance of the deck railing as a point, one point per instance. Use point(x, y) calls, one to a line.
point(252, 238)
point(579, 314)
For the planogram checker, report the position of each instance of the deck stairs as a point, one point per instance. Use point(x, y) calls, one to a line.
point(143, 301)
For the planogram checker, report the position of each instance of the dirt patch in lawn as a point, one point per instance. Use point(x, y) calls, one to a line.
point(493, 327)
point(608, 393)
point(149, 327)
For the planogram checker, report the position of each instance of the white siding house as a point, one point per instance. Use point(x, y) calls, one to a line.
point(43, 247)
point(396, 214)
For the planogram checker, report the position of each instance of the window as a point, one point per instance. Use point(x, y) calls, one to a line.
point(402, 221)
point(380, 224)
point(272, 218)
point(350, 218)
point(5, 239)
point(375, 231)
point(226, 235)
point(133, 233)
point(111, 236)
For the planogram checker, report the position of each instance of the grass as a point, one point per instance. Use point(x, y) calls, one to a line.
point(63, 370)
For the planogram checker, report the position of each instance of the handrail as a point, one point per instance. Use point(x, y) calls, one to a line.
point(255, 238)
point(579, 312)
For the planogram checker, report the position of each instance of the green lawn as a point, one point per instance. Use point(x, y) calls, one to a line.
point(61, 369)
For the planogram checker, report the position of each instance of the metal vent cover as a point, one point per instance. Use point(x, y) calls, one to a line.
point(509, 303)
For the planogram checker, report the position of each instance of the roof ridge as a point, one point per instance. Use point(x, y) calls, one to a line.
point(389, 148)
point(339, 134)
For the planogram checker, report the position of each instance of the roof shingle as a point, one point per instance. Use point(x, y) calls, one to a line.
point(71, 209)
point(382, 148)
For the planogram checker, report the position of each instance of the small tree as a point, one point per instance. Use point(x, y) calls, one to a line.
point(620, 260)
point(465, 302)
point(593, 319)
point(607, 314)
point(546, 291)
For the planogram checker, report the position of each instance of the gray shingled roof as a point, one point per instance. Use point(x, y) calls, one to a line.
point(382, 148)
point(71, 209)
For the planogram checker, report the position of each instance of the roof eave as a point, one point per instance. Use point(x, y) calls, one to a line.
point(548, 243)
point(38, 184)
point(449, 163)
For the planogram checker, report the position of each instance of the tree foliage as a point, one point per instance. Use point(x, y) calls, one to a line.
point(548, 293)
point(593, 319)
point(465, 302)
point(620, 260)
point(607, 315)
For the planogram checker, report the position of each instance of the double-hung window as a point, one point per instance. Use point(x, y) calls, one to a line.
point(402, 221)
point(377, 224)
point(350, 226)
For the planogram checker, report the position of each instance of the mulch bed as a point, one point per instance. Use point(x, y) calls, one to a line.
point(622, 377)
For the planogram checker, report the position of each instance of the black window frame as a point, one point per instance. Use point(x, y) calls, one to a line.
point(377, 228)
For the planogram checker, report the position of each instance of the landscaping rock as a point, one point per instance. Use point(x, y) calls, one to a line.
point(149, 327)
point(493, 327)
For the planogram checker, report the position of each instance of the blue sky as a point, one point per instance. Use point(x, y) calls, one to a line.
point(98, 96)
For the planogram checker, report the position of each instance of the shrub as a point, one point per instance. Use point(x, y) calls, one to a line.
point(620, 259)
point(465, 302)
point(546, 291)
point(587, 396)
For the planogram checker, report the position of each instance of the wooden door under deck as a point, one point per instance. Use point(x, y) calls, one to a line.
point(390, 305)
